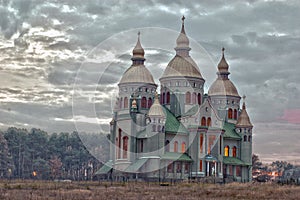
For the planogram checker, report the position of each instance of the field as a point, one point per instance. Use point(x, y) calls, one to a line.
point(20, 189)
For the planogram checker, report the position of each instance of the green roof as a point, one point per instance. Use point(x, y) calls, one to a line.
point(173, 125)
point(230, 132)
point(232, 161)
point(176, 157)
point(191, 111)
point(105, 168)
point(136, 165)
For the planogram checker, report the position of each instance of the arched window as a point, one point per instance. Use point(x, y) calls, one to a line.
point(201, 143)
point(235, 114)
point(182, 147)
point(226, 151)
point(125, 102)
point(168, 98)
point(245, 138)
point(164, 98)
point(119, 143)
point(149, 102)
point(188, 98)
point(194, 99)
point(234, 151)
point(209, 121)
point(153, 128)
point(230, 113)
point(158, 128)
point(175, 146)
point(167, 144)
point(199, 99)
point(249, 138)
point(125, 146)
point(144, 102)
point(203, 121)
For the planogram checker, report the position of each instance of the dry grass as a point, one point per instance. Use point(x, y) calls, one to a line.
point(37, 190)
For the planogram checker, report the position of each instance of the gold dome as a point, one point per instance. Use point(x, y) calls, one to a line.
point(223, 65)
point(182, 66)
point(244, 120)
point(223, 87)
point(138, 51)
point(156, 109)
point(182, 40)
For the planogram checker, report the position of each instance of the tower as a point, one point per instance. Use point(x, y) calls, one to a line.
point(181, 82)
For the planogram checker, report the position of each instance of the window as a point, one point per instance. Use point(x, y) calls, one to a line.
point(175, 146)
point(142, 145)
point(178, 167)
point(230, 170)
point(203, 121)
point(167, 144)
point(188, 98)
point(149, 103)
point(186, 168)
point(119, 143)
point(238, 171)
point(201, 143)
point(200, 166)
point(226, 151)
point(235, 114)
point(120, 103)
point(170, 168)
point(249, 138)
point(153, 128)
point(220, 144)
point(125, 146)
point(168, 98)
point(199, 99)
point(234, 151)
point(158, 128)
point(182, 147)
point(230, 113)
point(209, 121)
point(211, 141)
point(125, 102)
point(245, 138)
point(194, 98)
point(163, 98)
point(144, 102)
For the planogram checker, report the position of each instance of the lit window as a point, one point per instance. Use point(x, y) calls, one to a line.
point(182, 147)
point(234, 151)
point(226, 151)
point(175, 146)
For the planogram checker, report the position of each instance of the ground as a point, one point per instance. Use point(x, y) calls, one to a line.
point(20, 189)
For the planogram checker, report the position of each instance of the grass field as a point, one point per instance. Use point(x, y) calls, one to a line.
point(19, 189)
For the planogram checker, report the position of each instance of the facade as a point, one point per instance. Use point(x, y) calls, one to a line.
point(182, 132)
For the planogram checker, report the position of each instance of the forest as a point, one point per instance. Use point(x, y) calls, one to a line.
point(35, 154)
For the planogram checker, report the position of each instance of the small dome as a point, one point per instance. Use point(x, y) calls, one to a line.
point(223, 65)
point(182, 66)
point(156, 109)
point(244, 120)
point(223, 87)
point(137, 74)
point(138, 50)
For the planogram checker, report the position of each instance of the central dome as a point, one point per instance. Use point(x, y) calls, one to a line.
point(137, 74)
point(182, 66)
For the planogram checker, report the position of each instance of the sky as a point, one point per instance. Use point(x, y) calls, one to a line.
point(53, 55)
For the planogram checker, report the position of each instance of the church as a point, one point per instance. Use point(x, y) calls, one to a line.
point(179, 132)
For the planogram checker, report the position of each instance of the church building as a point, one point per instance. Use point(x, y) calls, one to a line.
point(179, 132)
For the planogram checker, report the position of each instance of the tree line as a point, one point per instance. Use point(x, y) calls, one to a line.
point(35, 154)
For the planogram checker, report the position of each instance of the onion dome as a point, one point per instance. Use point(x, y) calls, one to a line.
point(182, 64)
point(137, 72)
point(156, 109)
point(244, 120)
point(223, 86)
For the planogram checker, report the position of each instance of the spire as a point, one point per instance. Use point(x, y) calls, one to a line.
point(182, 42)
point(138, 52)
point(244, 120)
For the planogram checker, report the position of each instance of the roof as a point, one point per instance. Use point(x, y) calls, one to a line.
point(232, 161)
point(244, 120)
point(230, 131)
point(223, 87)
point(156, 109)
point(176, 157)
point(137, 74)
point(223, 65)
point(210, 158)
point(182, 66)
point(173, 125)
point(105, 168)
point(134, 167)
